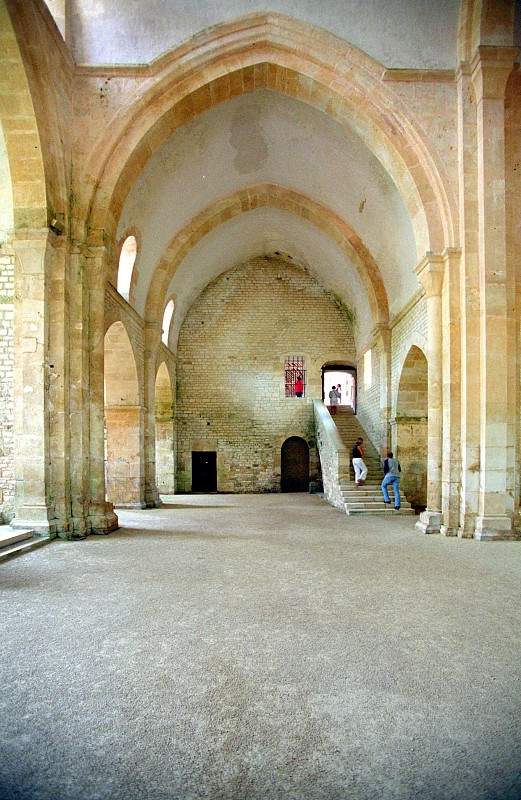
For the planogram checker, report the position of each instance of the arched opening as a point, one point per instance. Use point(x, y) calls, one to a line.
point(165, 455)
point(124, 475)
point(167, 319)
point(294, 465)
point(343, 378)
point(127, 259)
point(410, 427)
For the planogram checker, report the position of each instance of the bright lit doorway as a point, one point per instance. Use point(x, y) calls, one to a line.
point(343, 376)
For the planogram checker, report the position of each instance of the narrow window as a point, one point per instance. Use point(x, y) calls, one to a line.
point(294, 377)
point(167, 319)
point(127, 258)
point(368, 370)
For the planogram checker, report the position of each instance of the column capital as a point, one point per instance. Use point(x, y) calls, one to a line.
point(430, 273)
point(490, 70)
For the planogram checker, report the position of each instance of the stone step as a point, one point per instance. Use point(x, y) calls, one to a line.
point(9, 536)
point(376, 506)
point(372, 491)
point(17, 542)
point(351, 512)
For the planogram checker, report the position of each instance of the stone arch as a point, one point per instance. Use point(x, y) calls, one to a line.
point(22, 139)
point(410, 426)
point(267, 51)
point(164, 432)
point(124, 449)
point(273, 196)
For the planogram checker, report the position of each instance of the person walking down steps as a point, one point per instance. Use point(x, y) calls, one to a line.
point(360, 468)
point(392, 470)
point(333, 401)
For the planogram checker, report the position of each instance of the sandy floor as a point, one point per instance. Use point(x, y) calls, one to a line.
point(248, 647)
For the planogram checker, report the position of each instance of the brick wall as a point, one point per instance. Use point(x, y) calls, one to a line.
point(6, 383)
point(230, 370)
point(368, 397)
point(409, 329)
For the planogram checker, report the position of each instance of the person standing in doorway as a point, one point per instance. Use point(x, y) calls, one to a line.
point(339, 394)
point(359, 466)
point(299, 386)
point(392, 470)
point(333, 401)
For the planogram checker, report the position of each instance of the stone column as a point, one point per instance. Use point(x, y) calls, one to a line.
point(152, 343)
point(469, 307)
point(33, 508)
point(451, 394)
point(430, 273)
point(101, 513)
point(491, 68)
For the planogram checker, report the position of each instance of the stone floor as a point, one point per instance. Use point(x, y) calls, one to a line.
point(248, 647)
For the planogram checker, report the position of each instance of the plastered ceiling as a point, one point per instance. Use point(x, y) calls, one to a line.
point(398, 33)
point(267, 137)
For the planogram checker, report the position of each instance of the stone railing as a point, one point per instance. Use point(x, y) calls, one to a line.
point(334, 457)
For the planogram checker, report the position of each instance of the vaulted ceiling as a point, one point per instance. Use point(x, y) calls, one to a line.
point(265, 137)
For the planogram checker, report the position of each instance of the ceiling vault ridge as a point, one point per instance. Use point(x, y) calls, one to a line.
point(297, 60)
point(269, 195)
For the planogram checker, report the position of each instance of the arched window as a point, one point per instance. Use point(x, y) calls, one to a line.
point(167, 319)
point(127, 258)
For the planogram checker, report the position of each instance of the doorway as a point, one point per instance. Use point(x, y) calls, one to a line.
point(294, 465)
point(204, 471)
point(343, 376)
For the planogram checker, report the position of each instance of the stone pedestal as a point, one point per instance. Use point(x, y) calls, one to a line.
point(494, 529)
point(429, 522)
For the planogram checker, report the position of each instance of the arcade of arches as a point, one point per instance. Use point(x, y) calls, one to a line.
point(280, 191)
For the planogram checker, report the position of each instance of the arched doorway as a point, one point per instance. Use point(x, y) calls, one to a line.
point(294, 465)
point(165, 460)
point(343, 375)
point(410, 433)
point(124, 446)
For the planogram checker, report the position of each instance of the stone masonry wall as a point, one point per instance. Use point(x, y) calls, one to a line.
point(409, 401)
point(6, 384)
point(230, 370)
point(409, 329)
point(368, 398)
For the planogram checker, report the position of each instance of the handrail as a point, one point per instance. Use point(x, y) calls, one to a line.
point(324, 418)
point(334, 456)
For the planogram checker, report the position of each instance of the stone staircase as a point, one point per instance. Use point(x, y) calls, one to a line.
point(365, 499)
point(15, 542)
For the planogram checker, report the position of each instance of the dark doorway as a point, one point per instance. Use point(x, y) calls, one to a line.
point(294, 465)
point(204, 471)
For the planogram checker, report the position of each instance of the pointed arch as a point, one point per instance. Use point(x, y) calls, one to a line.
point(164, 432)
point(124, 445)
point(20, 132)
point(271, 51)
point(271, 196)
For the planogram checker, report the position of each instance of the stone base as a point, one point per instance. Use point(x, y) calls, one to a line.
point(140, 505)
point(446, 531)
point(429, 522)
point(489, 529)
point(105, 521)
